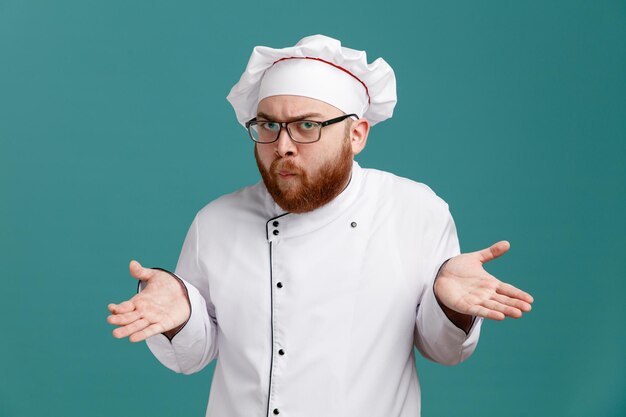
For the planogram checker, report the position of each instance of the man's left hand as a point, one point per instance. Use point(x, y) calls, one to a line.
point(464, 286)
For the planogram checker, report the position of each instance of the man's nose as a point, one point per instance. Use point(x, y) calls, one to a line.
point(284, 145)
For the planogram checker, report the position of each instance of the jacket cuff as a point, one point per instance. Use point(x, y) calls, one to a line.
point(446, 339)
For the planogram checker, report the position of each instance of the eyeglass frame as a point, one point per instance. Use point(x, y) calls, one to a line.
point(284, 125)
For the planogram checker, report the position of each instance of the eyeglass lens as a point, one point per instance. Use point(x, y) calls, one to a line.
point(300, 131)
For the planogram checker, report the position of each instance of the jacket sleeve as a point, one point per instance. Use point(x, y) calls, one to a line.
point(195, 345)
point(436, 337)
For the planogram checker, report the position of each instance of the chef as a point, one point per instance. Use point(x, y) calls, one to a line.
point(311, 287)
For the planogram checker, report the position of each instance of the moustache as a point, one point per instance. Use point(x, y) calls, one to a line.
point(288, 165)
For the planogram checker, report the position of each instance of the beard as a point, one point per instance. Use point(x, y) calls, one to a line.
point(306, 191)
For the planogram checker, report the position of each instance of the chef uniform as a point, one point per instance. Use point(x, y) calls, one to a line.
point(317, 314)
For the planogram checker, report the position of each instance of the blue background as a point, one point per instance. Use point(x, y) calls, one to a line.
point(114, 131)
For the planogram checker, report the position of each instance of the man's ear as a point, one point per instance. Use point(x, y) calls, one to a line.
point(358, 135)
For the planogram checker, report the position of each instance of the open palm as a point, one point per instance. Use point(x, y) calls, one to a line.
point(464, 286)
point(160, 307)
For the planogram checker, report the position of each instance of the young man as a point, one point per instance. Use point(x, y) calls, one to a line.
point(312, 287)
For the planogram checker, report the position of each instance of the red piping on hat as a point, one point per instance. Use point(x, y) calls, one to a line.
point(367, 91)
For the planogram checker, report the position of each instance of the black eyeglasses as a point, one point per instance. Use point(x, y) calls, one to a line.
point(300, 131)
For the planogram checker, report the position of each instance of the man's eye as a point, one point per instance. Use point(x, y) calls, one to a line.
point(307, 125)
point(270, 126)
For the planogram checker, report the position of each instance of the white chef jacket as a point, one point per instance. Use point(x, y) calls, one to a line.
point(316, 314)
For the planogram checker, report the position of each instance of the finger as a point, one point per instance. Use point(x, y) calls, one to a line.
point(493, 251)
point(513, 302)
point(513, 292)
point(121, 308)
point(481, 311)
point(134, 327)
point(502, 308)
point(124, 319)
point(139, 272)
point(149, 331)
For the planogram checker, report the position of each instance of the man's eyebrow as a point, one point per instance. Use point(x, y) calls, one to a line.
point(305, 116)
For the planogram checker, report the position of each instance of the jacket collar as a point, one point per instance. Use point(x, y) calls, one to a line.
point(281, 224)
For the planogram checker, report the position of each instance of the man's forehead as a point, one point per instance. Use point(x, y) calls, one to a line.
point(289, 106)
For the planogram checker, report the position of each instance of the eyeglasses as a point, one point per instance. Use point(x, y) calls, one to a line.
point(300, 131)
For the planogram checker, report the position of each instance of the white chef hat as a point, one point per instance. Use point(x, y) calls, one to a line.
point(317, 67)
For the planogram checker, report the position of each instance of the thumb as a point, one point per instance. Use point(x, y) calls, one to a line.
point(139, 272)
point(494, 251)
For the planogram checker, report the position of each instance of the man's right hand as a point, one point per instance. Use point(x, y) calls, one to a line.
point(161, 307)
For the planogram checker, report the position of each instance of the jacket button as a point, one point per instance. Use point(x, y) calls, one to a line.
point(279, 285)
point(353, 224)
point(276, 411)
point(281, 352)
point(276, 232)
point(275, 223)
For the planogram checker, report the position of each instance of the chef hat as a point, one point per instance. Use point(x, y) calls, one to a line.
point(317, 67)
